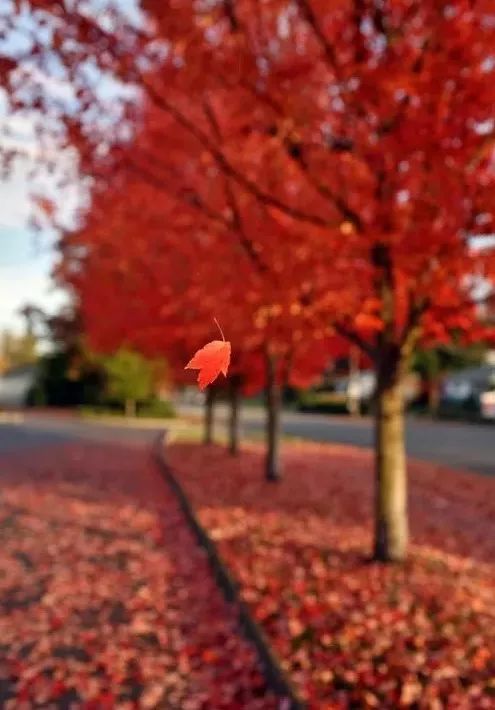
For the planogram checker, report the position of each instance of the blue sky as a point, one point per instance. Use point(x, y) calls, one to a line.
point(26, 258)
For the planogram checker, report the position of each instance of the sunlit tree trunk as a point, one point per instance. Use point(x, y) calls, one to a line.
point(209, 416)
point(235, 398)
point(392, 355)
point(391, 525)
point(273, 396)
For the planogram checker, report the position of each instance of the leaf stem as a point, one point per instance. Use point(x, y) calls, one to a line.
point(219, 328)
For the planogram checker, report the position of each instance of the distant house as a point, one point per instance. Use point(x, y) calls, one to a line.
point(15, 385)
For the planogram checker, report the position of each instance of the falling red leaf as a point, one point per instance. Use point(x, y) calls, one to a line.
point(211, 360)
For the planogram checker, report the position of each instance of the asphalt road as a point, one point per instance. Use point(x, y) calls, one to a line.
point(464, 446)
point(458, 445)
point(18, 433)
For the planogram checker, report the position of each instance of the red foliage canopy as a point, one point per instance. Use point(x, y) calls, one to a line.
point(371, 122)
point(347, 146)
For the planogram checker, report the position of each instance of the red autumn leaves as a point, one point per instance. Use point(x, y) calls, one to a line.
point(106, 600)
point(351, 634)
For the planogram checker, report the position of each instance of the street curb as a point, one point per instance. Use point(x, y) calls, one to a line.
point(276, 678)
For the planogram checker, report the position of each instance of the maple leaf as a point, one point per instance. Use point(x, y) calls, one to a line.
point(211, 360)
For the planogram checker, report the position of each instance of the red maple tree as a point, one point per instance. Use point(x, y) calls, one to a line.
point(162, 256)
point(370, 122)
point(361, 129)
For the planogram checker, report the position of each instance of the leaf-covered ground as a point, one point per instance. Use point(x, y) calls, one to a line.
point(353, 634)
point(105, 599)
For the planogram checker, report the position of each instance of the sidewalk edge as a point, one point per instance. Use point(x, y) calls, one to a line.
point(275, 676)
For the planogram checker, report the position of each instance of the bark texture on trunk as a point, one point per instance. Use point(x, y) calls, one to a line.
point(235, 398)
point(209, 416)
point(391, 527)
point(392, 355)
point(273, 402)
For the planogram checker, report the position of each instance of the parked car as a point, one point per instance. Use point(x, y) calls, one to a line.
point(191, 396)
point(469, 393)
point(352, 394)
point(15, 386)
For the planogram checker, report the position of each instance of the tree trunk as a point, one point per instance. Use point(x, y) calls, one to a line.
point(273, 401)
point(391, 528)
point(235, 391)
point(433, 396)
point(353, 398)
point(209, 416)
point(130, 407)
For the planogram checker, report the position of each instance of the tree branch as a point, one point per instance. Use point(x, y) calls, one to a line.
point(189, 197)
point(415, 312)
point(356, 339)
point(295, 151)
point(238, 224)
point(310, 17)
point(227, 167)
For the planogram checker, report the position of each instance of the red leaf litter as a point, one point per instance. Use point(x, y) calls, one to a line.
point(106, 601)
point(353, 634)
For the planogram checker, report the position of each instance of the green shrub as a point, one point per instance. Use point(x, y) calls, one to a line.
point(324, 401)
point(153, 409)
point(156, 408)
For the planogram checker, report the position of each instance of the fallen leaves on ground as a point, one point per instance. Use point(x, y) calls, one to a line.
point(355, 634)
point(106, 601)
